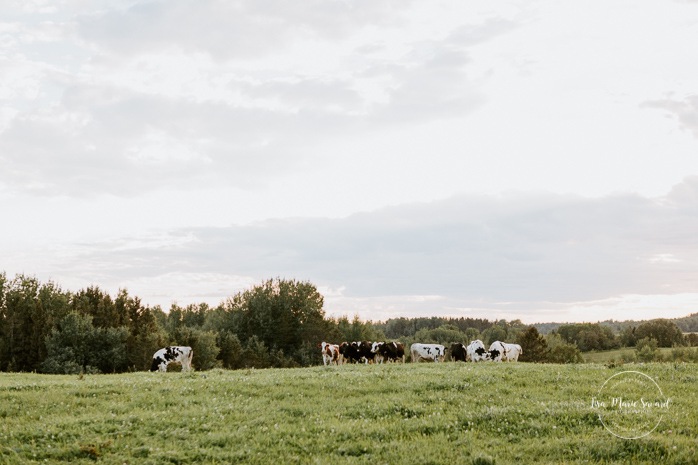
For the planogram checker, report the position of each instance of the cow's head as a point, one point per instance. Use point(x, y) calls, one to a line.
point(159, 364)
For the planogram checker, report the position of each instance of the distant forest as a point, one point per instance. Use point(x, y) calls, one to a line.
point(278, 323)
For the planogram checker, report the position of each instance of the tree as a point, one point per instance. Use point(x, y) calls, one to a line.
point(76, 345)
point(646, 350)
point(494, 333)
point(664, 331)
point(145, 335)
point(282, 314)
point(28, 313)
point(445, 335)
point(533, 345)
point(561, 351)
point(589, 336)
point(203, 343)
point(100, 306)
point(231, 351)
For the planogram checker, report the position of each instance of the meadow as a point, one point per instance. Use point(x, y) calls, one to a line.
point(617, 355)
point(450, 413)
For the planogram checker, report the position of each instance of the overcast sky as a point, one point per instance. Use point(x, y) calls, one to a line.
point(512, 159)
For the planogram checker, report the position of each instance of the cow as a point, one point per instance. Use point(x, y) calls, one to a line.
point(476, 351)
point(458, 352)
point(389, 351)
point(429, 352)
point(512, 352)
point(330, 353)
point(356, 351)
point(176, 354)
point(498, 351)
point(376, 349)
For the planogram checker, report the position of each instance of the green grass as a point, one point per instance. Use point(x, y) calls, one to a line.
point(387, 414)
point(616, 355)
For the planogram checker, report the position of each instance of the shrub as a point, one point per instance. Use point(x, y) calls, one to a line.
point(646, 350)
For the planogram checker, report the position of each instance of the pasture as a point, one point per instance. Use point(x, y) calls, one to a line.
point(450, 413)
point(618, 354)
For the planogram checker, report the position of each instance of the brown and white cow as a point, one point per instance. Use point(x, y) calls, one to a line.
point(330, 354)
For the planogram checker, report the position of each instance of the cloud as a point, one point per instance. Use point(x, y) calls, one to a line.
point(156, 95)
point(514, 254)
point(685, 111)
point(243, 28)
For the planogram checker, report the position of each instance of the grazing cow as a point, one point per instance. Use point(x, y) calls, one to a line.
point(389, 351)
point(497, 351)
point(476, 351)
point(356, 351)
point(376, 349)
point(330, 353)
point(458, 352)
point(167, 355)
point(429, 352)
point(512, 352)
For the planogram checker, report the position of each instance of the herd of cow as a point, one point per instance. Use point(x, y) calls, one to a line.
point(371, 352)
point(379, 352)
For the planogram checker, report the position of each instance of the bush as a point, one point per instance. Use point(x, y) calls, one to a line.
point(663, 331)
point(567, 353)
point(646, 350)
point(75, 346)
point(684, 354)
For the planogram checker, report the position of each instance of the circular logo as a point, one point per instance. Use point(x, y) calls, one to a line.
point(630, 404)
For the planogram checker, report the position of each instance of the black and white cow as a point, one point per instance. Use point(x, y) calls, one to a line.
point(498, 351)
point(389, 351)
point(167, 355)
point(427, 352)
point(357, 351)
point(476, 351)
point(458, 352)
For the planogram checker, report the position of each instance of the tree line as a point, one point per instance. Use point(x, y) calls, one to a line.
point(278, 323)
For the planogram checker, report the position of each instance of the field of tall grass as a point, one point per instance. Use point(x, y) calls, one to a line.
point(450, 413)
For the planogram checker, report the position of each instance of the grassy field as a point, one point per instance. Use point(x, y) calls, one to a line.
point(385, 414)
point(616, 355)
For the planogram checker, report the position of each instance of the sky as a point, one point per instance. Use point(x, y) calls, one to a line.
point(532, 160)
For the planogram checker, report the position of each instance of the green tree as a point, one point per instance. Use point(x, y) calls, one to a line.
point(444, 335)
point(589, 336)
point(203, 343)
point(282, 314)
point(470, 335)
point(28, 313)
point(494, 333)
point(100, 306)
point(560, 351)
point(145, 334)
point(231, 350)
point(665, 332)
point(646, 350)
point(76, 345)
point(533, 345)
